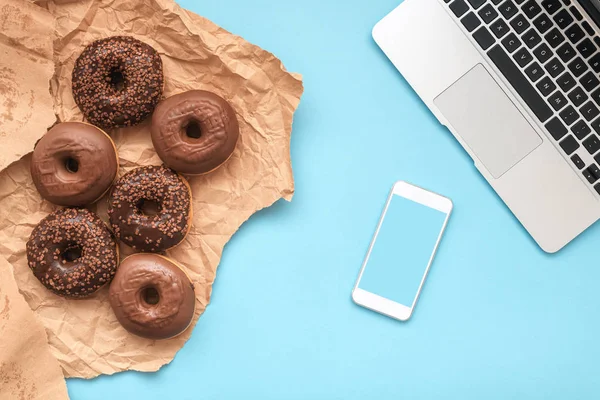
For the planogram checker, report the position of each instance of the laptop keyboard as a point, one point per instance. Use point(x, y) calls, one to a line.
point(551, 57)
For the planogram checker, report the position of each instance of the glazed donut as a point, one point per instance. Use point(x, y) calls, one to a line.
point(152, 297)
point(194, 132)
point(74, 164)
point(72, 252)
point(150, 208)
point(117, 81)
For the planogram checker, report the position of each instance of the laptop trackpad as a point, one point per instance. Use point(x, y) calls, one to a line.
point(488, 121)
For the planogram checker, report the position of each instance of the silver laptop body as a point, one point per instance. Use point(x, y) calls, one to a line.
point(498, 74)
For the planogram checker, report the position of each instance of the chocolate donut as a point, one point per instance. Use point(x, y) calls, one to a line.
point(194, 132)
point(72, 252)
point(152, 296)
point(117, 81)
point(74, 164)
point(150, 208)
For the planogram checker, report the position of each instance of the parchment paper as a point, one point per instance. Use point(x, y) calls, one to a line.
point(26, 34)
point(27, 368)
point(84, 335)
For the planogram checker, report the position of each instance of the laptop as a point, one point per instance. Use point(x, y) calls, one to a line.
point(517, 82)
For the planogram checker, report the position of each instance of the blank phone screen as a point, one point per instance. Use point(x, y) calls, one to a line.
point(402, 250)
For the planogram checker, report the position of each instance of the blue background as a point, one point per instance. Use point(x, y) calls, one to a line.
point(402, 250)
point(497, 319)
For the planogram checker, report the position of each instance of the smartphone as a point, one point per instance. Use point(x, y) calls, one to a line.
point(402, 250)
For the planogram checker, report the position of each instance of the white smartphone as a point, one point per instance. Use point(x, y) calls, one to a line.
point(402, 250)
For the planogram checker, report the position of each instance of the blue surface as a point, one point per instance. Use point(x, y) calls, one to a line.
point(402, 250)
point(497, 319)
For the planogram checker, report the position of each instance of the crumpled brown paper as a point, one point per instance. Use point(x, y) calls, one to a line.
point(26, 34)
point(27, 368)
point(84, 335)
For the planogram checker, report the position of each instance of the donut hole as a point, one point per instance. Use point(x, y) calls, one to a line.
point(117, 79)
point(150, 296)
point(148, 207)
point(193, 130)
point(71, 165)
point(71, 254)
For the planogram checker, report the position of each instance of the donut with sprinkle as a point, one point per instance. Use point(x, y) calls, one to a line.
point(150, 208)
point(72, 252)
point(117, 81)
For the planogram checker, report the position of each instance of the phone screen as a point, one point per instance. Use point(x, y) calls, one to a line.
point(402, 249)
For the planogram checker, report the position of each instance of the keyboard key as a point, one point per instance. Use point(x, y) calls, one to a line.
point(484, 38)
point(597, 40)
point(554, 38)
point(534, 72)
point(531, 38)
point(594, 170)
point(508, 9)
point(499, 28)
point(581, 130)
point(496, 2)
point(589, 81)
point(520, 24)
point(555, 67)
point(596, 96)
point(576, 13)
point(488, 14)
point(543, 53)
point(566, 82)
point(578, 97)
point(597, 187)
point(563, 19)
point(589, 111)
point(556, 128)
point(596, 125)
point(531, 9)
point(511, 43)
point(523, 57)
point(592, 144)
point(518, 81)
point(551, 6)
point(597, 158)
point(470, 22)
point(578, 67)
point(569, 144)
point(577, 161)
point(588, 28)
point(566, 52)
point(459, 8)
point(592, 173)
point(546, 86)
point(476, 3)
point(574, 33)
point(569, 115)
point(586, 48)
point(557, 101)
point(542, 23)
point(595, 62)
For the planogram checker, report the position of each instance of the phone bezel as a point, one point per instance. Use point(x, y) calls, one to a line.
point(383, 305)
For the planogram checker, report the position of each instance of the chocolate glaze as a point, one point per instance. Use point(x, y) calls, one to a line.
point(172, 304)
point(64, 147)
point(215, 122)
point(72, 230)
point(117, 81)
point(152, 233)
